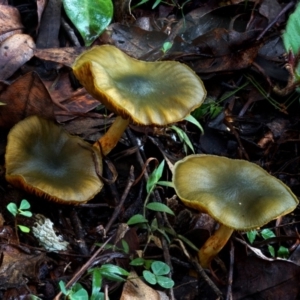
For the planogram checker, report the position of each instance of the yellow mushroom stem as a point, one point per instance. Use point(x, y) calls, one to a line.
point(214, 245)
point(110, 139)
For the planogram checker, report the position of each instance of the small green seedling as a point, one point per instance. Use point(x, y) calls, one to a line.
point(157, 275)
point(166, 47)
point(108, 271)
point(266, 233)
point(23, 210)
point(77, 292)
point(141, 262)
point(152, 181)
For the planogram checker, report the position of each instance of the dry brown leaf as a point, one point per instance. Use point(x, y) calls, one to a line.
point(14, 52)
point(65, 56)
point(17, 267)
point(136, 289)
point(24, 97)
point(10, 22)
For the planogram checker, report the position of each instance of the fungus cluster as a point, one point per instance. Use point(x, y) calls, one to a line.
point(238, 194)
point(44, 159)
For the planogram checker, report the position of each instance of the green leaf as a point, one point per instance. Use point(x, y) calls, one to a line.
point(24, 204)
point(183, 137)
point(155, 176)
point(188, 242)
point(283, 252)
point(165, 282)
point(251, 235)
point(25, 213)
point(166, 183)
point(136, 219)
point(113, 277)
point(149, 277)
point(110, 268)
point(24, 228)
point(194, 121)
point(160, 268)
point(78, 293)
point(166, 47)
point(125, 246)
point(156, 3)
point(271, 250)
point(12, 208)
point(291, 37)
point(267, 233)
point(139, 261)
point(156, 206)
point(96, 284)
point(90, 17)
point(62, 287)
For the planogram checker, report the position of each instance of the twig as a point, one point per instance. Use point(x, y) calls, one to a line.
point(167, 259)
point(81, 271)
point(77, 226)
point(230, 274)
point(121, 203)
point(285, 9)
point(204, 276)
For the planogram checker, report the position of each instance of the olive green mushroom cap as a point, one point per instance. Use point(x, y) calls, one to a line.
point(236, 193)
point(148, 93)
point(42, 158)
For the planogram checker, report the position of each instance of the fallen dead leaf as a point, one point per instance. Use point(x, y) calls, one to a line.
point(10, 22)
point(14, 52)
point(24, 97)
point(136, 289)
point(17, 267)
point(65, 56)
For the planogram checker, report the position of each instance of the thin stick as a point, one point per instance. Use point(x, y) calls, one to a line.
point(124, 196)
point(204, 276)
point(285, 9)
point(230, 274)
point(81, 271)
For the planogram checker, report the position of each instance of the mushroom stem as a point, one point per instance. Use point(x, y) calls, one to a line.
point(110, 139)
point(214, 245)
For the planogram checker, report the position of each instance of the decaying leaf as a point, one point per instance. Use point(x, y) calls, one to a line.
point(17, 267)
point(65, 56)
point(10, 22)
point(136, 289)
point(24, 97)
point(15, 51)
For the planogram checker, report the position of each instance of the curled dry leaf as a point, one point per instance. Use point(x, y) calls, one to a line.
point(10, 22)
point(24, 97)
point(14, 52)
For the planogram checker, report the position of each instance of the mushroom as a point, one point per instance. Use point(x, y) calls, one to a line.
point(43, 159)
point(236, 193)
point(145, 93)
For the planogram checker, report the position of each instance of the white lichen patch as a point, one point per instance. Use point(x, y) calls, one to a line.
point(48, 239)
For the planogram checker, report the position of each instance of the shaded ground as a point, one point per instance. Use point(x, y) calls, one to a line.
point(240, 64)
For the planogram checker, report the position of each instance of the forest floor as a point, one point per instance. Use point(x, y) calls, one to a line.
point(236, 48)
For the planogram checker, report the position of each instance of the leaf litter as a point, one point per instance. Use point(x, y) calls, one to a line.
point(242, 66)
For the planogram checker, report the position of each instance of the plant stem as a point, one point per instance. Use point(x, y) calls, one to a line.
point(110, 139)
point(214, 245)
